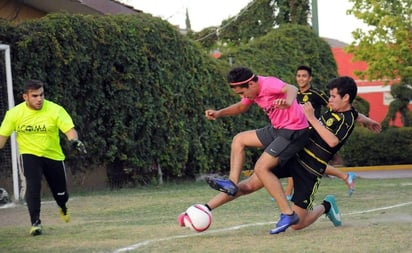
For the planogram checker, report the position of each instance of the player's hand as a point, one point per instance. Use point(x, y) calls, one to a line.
point(308, 110)
point(79, 146)
point(374, 126)
point(280, 103)
point(211, 114)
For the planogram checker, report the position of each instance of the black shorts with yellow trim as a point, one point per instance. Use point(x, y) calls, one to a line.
point(305, 183)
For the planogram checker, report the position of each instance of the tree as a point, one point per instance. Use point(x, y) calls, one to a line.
point(188, 25)
point(255, 20)
point(402, 95)
point(386, 46)
point(292, 11)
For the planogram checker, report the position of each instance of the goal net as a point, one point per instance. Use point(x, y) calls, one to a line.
point(9, 163)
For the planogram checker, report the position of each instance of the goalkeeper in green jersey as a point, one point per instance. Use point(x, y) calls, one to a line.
point(37, 123)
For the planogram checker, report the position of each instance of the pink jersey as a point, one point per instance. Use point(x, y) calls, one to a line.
point(270, 88)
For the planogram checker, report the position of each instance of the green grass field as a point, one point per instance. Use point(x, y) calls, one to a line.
point(377, 218)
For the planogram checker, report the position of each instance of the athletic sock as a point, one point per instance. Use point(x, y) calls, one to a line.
point(326, 205)
point(208, 207)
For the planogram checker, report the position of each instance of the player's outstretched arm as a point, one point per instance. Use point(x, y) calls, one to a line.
point(231, 110)
point(371, 124)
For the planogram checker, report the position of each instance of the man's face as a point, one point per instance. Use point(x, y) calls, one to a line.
point(250, 92)
point(303, 79)
point(34, 98)
point(336, 102)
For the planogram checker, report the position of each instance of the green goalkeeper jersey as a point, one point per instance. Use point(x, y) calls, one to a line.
point(37, 131)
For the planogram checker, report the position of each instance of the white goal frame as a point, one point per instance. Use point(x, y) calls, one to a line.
point(13, 143)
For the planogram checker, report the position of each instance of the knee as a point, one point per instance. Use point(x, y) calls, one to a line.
point(259, 170)
point(237, 140)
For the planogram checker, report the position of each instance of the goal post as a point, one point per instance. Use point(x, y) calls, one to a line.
point(10, 98)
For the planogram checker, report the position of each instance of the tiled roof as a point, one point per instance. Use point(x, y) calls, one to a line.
point(335, 43)
point(101, 7)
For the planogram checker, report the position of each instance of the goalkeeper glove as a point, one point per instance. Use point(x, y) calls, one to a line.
point(79, 146)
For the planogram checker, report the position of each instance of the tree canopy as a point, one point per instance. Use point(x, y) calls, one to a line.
point(386, 46)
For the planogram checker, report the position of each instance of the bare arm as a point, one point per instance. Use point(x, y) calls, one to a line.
point(291, 93)
point(3, 140)
point(372, 125)
point(324, 133)
point(231, 110)
point(72, 134)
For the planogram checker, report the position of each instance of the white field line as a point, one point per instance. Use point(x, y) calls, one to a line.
point(147, 242)
point(379, 209)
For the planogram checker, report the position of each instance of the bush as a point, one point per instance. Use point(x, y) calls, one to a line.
point(364, 148)
point(135, 87)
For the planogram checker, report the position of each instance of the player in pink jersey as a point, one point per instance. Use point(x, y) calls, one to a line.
point(282, 139)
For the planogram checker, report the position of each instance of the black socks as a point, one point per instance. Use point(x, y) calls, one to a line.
point(326, 205)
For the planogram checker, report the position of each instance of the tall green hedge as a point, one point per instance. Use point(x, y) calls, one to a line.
point(135, 87)
point(282, 50)
point(364, 148)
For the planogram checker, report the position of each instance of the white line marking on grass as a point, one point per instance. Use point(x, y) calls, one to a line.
point(8, 205)
point(380, 209)
point(147, 242)
point(143, 243)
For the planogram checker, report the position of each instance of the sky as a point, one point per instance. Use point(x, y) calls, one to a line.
point(333, 22)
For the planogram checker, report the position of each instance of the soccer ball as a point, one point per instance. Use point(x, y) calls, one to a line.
point(4, 196)
point(198, 218)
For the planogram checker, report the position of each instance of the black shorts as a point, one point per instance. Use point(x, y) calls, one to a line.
point(305, 184)
point(282, 143)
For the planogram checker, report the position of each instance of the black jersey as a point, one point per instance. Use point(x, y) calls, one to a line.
point(317, 153)
point(316, 97)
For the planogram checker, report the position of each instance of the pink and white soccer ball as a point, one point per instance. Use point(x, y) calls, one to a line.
point(198, 218)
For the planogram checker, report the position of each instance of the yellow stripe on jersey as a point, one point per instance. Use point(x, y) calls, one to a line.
point(314, 156)
point(336, 116)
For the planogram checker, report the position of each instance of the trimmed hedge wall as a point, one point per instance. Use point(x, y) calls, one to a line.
point(137, 89)
point(364, 148)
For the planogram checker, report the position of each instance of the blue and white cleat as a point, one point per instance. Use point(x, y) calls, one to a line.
point(350, 181)
point(284, 222)
point(224, 185)
point(333, 213)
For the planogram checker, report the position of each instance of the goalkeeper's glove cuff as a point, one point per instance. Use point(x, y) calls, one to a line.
point(79, 146)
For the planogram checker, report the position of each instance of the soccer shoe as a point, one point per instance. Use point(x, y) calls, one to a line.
point(333, 213)
point(284, 222)
point(223, 185)
point(36, 228)
point(64, 215)
point(350, 182)
point(180, 219)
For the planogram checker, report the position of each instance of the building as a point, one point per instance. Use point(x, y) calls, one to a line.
point(19, 10)
point(376, 92)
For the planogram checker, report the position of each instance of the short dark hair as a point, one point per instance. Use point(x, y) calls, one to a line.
point(32, 84)
point(344, 85)
point(304, 67)
point(240, 74)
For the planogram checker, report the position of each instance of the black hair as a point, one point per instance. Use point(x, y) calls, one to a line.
point(32, 84)
point(344, 85)
point(304, 67)
point(239, 74)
